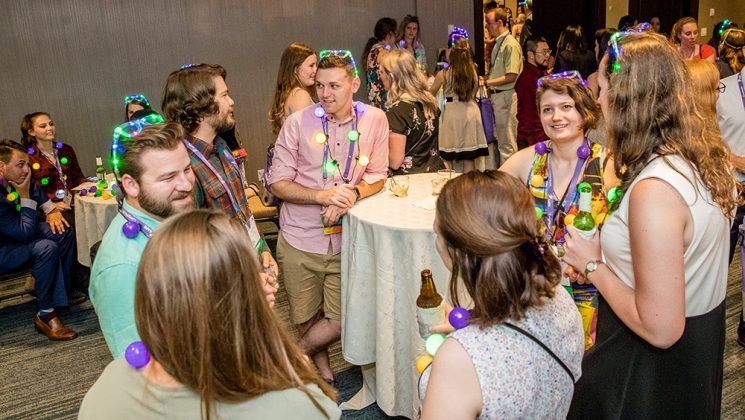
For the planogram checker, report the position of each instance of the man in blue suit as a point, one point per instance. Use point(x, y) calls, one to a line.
point(49, 247)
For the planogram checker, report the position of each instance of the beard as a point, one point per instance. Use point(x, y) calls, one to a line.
point(223, 123)
point(164, 208)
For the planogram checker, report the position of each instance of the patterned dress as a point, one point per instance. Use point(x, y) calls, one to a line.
point(592, 173)
point(376, 92)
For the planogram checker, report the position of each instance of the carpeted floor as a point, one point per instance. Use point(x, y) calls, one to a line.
point(40, 379)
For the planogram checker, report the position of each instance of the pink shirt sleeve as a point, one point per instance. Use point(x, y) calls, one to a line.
point(285, 161)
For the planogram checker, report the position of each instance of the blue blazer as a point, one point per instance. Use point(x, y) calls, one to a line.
point(17, 228)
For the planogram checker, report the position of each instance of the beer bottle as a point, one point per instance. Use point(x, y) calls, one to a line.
point(101, 174)
point(583, 221)
point(429, 309)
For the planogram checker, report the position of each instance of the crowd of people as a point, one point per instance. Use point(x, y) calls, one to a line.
point(627, 322)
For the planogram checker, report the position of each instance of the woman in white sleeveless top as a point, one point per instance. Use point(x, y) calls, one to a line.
point(660, 334)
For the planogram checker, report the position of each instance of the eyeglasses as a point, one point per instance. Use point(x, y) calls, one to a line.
point(343, 54)
point(126, 132)
point(572, 74)
point(722, 87)
point(140, 98)
point(615, 49)
point(544, 52)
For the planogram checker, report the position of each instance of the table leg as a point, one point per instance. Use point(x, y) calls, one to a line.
point(366, 395)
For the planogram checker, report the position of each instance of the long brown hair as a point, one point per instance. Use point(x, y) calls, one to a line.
point(653, 112)
point(731, 47)
point(292, 58)
point(407, 82)
point(201, 311)
point(461, 72)
point(487, 220)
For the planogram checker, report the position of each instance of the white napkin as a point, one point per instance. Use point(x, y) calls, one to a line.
point(428, 203)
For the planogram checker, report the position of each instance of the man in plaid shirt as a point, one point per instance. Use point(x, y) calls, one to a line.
point(196, 96)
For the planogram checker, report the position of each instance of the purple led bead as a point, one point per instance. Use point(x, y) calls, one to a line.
point(583, 152)
point(92, 189)
point(360, 107)
point(540, 148)
point(83, 192)
point(458, 318)
point(130, 229)
point(58, 144)
point(137, 355)
point(31, 150)
point(319, 112)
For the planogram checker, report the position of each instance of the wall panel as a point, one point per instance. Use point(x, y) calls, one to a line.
point(77, 58)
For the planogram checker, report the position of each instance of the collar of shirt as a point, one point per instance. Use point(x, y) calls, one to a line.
point(202, 146)
point(539, 72)
point(141, 216)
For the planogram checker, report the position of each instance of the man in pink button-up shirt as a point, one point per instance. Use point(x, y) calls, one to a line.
point(321, 171)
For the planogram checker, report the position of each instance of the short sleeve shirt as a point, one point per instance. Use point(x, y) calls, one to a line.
point(420, 154)
point(507, 59)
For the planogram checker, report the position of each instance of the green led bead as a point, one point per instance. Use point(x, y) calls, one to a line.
point(44, 181)
point(63, 161)
point(18, 207)
point(353, 135)
point(538, 213)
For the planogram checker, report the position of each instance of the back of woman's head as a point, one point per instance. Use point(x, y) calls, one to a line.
point(462, 73)
point(653, 111)
point(27, 123)
point(576, 89)
point(705, 81)
point(407, 82)
point(488, 224)
point(287, 79)
point(201, 311)
point(383, 27)
point(602, 37)
point(572, 38)
point(730, 47)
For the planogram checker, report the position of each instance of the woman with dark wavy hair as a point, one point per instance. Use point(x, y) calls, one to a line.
point(660, 264)
point(488, 238)
point(216, 348)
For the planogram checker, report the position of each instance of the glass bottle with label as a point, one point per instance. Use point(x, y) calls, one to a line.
point(429, 308)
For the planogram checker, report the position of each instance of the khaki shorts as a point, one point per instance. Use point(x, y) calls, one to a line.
point(310, 280)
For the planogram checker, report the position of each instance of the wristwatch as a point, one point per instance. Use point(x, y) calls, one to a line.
point(592, 266)
point(357, 192)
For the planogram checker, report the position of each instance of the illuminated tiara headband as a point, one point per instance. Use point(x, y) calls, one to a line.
point(188, 66)
point(343, 54)
point(139, 98)
point(725, 25)
point(126, 132)
point(457, 34)
point(570, 74)
point(615, 49)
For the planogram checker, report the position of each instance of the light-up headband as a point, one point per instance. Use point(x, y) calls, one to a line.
point(569, 74)
point(725, 24)
point(457, 34)
point(615, 49)
point(343, 54)
point(139, 98)
point(128, 131)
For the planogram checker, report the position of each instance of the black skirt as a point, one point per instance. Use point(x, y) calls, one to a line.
point(624, 377)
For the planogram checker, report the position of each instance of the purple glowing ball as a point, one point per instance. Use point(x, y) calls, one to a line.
point(92, 189)
point(131, 229)
point(137, 355)
point(31, 150)
point(83, 192)
point(360, 107)
point(319, 112)
point(540, 148)
point(58, 144)
point(458, 318)
point(583, 152)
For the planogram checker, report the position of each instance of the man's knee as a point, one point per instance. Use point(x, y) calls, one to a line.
point(45, 248)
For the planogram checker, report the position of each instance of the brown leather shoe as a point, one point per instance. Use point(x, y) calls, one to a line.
point(54, 330)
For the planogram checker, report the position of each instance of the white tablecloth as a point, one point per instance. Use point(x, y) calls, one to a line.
point(386, 242)
point(92, 217)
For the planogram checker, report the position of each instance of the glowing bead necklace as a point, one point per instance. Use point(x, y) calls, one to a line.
point(57, 163)
point(331, 165)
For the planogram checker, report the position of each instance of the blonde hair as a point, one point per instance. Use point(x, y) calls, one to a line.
point(731, 45)
point(407, 82)
point(201, 311)
point(654, 112)
point(705, 81)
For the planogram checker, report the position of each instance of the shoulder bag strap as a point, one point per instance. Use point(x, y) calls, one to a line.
point(540, 343)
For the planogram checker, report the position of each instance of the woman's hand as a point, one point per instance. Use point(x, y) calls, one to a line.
point(443, 327)
point(269, 285)
point(578, 251)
